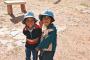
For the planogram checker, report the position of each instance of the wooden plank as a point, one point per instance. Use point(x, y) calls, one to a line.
point(15, 2)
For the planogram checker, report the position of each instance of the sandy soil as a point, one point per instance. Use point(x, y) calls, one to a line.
point(72, 21)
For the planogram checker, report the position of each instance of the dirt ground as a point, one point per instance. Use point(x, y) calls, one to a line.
point(72, 19)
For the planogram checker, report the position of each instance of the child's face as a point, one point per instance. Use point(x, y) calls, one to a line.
point(46, 20)
point(30, 22)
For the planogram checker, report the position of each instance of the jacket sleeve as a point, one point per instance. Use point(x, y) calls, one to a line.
point(49, 39)
point(25, 31)
point(39, 32)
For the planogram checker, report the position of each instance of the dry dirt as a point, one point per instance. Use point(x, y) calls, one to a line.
point(72, 21)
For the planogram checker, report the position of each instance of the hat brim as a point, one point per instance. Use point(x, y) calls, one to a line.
point(41, 16)
point(28, 17)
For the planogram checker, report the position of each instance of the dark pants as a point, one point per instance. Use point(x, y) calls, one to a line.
point(28, 53)
point(46, 55)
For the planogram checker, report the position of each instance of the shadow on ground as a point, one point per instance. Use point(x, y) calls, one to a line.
point(17, 19)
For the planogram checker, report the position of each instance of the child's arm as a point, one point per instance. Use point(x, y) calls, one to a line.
point(33, 40)
point(46, 41)
point(45, 32)
point(37, 34)
point(25, 30)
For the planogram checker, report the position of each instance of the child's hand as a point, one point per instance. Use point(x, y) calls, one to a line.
point(30, 40)
point(44, 28)
point(33, 40)
point(45, 32)
point(50, 30)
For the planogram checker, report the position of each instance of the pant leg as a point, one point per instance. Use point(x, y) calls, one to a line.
point(28, 53)
point(47, 55)
point(35, 54)
point(51, 54)
point(41, 55)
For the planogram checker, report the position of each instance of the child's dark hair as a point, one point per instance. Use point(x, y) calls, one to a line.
point(26, 19)
point(41, 17)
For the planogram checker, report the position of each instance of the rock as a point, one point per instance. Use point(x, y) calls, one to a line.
point(20, 43)
point(83, 9)
point(86, 11)
point(14, 33)
point(19, 36)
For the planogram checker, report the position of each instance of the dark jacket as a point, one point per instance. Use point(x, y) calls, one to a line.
point(35, 33)
point(51, 38)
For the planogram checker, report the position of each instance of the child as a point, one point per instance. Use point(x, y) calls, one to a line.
point(32, 32)
point(49, 36)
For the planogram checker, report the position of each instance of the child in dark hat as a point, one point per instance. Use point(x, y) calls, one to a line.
point(33, 33)
point(49, 36)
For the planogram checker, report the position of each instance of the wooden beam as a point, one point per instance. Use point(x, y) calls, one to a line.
point(23, 9)
point(9, 9)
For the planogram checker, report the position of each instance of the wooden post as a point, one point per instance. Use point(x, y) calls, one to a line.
point(10, 3)
point(23, 9)
point(9, 9)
